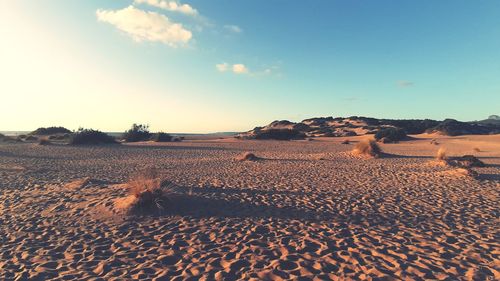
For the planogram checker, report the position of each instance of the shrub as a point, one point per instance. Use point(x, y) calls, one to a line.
point(367, 147)
point(138, 132)
point(390, 135)
point(161, 137)
point(50, 131)
point(280, 134)
point(4, 138)
point(63, 137)
point(441, 154)
point(247, 156)
point(148, 192)
point(90, 136)
point(476, 149)
point(468, 161)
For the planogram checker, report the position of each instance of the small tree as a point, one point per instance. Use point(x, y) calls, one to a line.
point(138, 132)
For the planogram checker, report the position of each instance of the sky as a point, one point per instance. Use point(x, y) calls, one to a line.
point(210, 66)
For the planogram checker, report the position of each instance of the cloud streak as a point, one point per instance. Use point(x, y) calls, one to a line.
point(146, 26)
point(172, 6)
point(242, 69)
point(222, 67)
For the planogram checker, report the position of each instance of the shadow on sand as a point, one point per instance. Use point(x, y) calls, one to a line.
point(490, 177)
point(288, 205)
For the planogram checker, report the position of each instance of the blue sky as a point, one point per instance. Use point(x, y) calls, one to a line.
point(205, 66)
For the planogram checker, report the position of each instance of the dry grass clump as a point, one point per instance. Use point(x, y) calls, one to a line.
point(147, 193)
point(320, 157)
point(463, 172)
point(247, 156)
point(441, 154)
point(367, 147)
point(44, 142)
point(434, 142)
point(465, 161)
point(476, 149)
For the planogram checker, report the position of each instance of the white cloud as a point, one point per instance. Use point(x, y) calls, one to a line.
point(233, 28)
point(240, 68)
point(172, 6)
point(222, 67)
point(146, 26)
point(235, 68)
point(404, 84)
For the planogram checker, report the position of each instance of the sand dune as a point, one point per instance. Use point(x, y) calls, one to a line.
point(285, 216)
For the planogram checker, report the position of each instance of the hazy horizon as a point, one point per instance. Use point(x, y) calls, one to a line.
point(226, 66)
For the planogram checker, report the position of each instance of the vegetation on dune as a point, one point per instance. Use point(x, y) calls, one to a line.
point(412, 126)
point(342, 127)
point(280, 134)
point(390, 135)
point(31, 138)
point(368, 147)
point(90, 136)
point(138, 132)
point(451, 127)
point(50, 131)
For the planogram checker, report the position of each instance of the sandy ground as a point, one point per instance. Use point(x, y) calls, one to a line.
point(308, 210)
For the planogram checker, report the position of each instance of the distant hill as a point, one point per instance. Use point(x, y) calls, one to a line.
point(355, 125)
